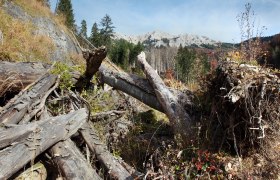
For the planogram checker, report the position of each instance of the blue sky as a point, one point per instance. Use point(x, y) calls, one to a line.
point(213, 18)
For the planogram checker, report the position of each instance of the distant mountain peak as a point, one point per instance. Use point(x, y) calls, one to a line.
point(160, 38)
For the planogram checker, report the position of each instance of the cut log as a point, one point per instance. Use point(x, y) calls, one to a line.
point(178, 117)
point(16, 76)
point(46, 134)
point(131, 84)
point(111, 164)
point(15, 110)
point(94, 59)
point(71, 162)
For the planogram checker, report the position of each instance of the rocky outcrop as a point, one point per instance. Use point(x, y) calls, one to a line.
point(159, 39)
point(65, 44)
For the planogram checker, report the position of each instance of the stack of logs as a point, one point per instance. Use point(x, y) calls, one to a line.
point(27, 129)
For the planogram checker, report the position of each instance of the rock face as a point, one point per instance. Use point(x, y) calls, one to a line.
point(64, 42)
point(158, 39)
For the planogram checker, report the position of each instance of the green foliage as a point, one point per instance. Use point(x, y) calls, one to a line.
point(125, 53)
point(65, 76)
point(208, 46)
point(83, 31)
point(107, 30)
point(64, 8)
point(185, 60)
point(205, 64)
point(95, 37)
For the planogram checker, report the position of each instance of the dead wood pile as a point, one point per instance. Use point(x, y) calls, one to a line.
point(32, 132)
point(245, 115)
point(245, 108)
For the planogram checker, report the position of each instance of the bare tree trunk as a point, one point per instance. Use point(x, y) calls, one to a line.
point(94, 59)
point(178, 117)
point(133, 85)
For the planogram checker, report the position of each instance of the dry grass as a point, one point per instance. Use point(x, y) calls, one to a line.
point(19, 42)
point(34, 8)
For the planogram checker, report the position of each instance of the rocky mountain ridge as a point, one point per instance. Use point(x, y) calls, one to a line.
point(159, 38)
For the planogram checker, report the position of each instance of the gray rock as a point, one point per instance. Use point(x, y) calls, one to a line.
point(64, 42)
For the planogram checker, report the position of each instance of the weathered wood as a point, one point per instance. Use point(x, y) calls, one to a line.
point(13, 133)
point(16, 76)
point(102, 115)
point(178, 117)
point(94, 59)
point(71, 162)
point(47, 133)
point(111, 164)
point(131, 84)
point(15, 110)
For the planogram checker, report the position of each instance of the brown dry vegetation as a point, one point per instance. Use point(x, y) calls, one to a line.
point(20, 43)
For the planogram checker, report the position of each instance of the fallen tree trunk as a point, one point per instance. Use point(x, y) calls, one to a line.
point(16, 76)
point(179, 119)
point(14, 133)
point(46, 134)
point(112, 166)
point(133, 85)
point(71, 162)
point(15, 110)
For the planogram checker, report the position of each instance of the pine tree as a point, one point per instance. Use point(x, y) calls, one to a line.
point(107, 30)
point(95, 35)
point(64, 7)
point(83, 31)
point(185, 59)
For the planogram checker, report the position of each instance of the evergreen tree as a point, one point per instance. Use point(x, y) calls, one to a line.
point(125, 53)
point(135, 50)
point(107, 30)
point(185, 60)
point(64, 7)
point(95, 35)
point(83, 31)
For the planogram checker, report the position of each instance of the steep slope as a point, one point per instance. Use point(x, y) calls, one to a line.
point(32, 33)
point(158, 38)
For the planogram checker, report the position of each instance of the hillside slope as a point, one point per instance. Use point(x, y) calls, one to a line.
point(32, 33)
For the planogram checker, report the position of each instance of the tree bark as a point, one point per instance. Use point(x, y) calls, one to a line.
point(15, 110)
point(16, 76)
point(93, 59)
point(46, 134)
point(112, 166)
point(14, 133)
point(178, 117)
point(71, 162)
point(131, 84)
